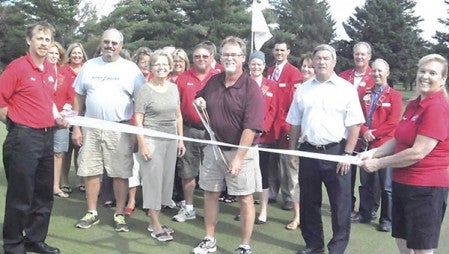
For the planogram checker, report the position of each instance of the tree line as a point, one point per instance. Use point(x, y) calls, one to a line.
point(390, 26)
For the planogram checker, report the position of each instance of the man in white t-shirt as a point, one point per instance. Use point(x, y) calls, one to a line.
point(104, 90)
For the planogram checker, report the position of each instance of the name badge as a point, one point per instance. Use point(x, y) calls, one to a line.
point(189, 84)
point(386, 104)
point(282, 85)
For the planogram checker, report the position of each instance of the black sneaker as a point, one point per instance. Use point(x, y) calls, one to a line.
point(120, 223)
point(87, 221)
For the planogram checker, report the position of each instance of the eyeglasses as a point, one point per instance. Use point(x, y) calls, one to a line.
point(160, 65)
point(114, 43)
point(233, 55)
point(201, 56)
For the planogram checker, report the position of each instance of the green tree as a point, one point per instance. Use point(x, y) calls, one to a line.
point(182, 23)
point(62, 14)
point(442, 45)
point(303, 24)
point(214, 20)
point(12, 33)
point(392, 29)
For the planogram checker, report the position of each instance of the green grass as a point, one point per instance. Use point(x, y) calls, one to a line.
point(268, 238)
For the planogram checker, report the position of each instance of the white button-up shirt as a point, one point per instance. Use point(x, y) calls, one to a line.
point(324, 111)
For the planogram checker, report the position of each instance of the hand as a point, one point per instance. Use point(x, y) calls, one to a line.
point(61, 122)
point(293, 162)
point(235, 166)
point(200, 103)
point(343, 167)
point(181, 149)
point(370, 165)
point(145, 152)
point(366, 155)
point(368, 136)
point(77, 136)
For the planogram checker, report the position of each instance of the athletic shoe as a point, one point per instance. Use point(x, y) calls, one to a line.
point(206, 246)
point(241, 250)
point(87, 221)
point(120, 223)
point(184, 215)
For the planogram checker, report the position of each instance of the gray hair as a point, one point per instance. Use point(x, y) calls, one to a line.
point(365, 44)
point(380, 60)
point(326, 47)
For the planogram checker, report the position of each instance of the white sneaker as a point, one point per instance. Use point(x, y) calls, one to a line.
point(206, 246)
point(184, 215)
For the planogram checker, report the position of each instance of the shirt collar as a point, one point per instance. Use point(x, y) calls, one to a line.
point(439, 95)
point(331, 80)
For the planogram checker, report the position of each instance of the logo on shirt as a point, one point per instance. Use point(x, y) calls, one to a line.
point(362, 84)
point(414, 118)
point(190, 84)
point(33, 79)
point(51, 79)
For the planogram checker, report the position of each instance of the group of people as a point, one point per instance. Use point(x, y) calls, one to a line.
point(309, 109)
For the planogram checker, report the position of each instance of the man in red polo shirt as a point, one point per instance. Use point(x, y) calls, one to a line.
point(189, 83)
point(286, 75)
point(27, 88)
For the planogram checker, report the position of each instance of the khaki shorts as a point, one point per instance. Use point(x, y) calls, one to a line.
point(190, 163)
point(214, 176)
point(110, 150)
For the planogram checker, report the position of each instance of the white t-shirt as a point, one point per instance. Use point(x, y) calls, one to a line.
point(109, 88)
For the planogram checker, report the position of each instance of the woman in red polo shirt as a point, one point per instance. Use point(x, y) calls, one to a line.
point(418, 153)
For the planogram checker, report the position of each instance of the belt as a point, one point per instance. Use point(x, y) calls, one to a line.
point(194, 126)
point(12, 124)
point(321, 147)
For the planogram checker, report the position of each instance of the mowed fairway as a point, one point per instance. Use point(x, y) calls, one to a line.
point(268, 238)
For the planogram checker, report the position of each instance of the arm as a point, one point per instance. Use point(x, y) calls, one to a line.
point(179, 128)
point(78, 105)
point(343, 168)
point(3, 114)
point(143, 148)
point(237, 162)
point(421, 148)
point(295, 131)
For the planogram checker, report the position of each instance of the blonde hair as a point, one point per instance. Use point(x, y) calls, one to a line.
point(183, 55)
point(439, 59)
point(72, 47)
point(61, 51)
point(159, 53)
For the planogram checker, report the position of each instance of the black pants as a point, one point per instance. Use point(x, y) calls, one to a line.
point(312, 173)
point(28, 163)
point(368, 190)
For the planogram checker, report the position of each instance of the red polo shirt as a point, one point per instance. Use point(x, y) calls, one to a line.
point(188, 85)
point(28, 92)
point(430, 118)
point(65, 93)
point(233, 109)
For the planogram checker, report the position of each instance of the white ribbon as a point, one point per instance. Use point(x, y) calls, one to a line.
point(119, 127)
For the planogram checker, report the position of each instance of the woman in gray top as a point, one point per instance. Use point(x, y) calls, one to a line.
point(157, 107)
